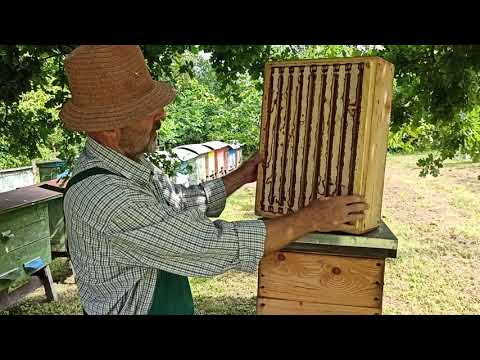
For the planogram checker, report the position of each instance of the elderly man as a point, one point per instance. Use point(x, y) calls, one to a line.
point(134, 237)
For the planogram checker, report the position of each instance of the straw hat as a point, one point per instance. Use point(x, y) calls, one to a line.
point(111, 88)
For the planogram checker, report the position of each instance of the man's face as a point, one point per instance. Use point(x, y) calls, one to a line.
point(141, 137)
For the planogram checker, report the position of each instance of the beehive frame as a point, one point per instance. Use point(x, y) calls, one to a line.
point(324, 133)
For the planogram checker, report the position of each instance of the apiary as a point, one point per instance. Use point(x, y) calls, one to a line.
point(324, 133)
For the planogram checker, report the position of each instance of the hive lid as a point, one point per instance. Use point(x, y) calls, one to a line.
point(184, 154)
point(215, 145)
point(24, 197)
point(379, 243)
point(196, 148)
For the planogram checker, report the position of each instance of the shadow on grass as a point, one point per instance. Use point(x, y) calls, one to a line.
point(60, 269)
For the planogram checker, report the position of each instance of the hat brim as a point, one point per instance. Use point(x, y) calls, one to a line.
point(100, 118)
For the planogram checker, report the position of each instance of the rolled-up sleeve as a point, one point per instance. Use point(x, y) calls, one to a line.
point(209, 196)
point(185, 242)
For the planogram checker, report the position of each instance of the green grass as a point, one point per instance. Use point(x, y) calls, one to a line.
point(437, 222)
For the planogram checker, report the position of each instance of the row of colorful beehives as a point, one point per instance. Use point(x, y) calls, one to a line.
point(31, 218)
point(209, 160)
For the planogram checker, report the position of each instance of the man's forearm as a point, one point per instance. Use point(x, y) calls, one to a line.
point(283, 230)
point(233, 182)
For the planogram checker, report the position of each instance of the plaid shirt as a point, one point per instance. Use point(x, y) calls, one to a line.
point(121, 229)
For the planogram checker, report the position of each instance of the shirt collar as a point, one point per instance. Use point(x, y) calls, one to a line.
point(119, 163)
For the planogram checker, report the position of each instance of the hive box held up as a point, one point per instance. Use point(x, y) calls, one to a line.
point(324, 133)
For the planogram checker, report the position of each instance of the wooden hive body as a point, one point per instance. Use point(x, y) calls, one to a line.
point(324, 133)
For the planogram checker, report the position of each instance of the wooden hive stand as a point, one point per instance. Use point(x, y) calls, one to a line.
point(326, 274)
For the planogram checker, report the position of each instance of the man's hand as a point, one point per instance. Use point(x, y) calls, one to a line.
point(246, 173)
point(323, 215)
point(334, 213)
point(248, 170)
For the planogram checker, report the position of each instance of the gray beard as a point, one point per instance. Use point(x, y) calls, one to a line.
point(149, 149)
point(152, 145)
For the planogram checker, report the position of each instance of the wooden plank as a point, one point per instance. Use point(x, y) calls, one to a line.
point(379, 141)
point(310, 190)
point(304, 197)
point(351, 108)
point(24, 227)
point(337, 250)
point(322, 185)
point(290, 161)
point(271, 148)
point(326, 61)
point(20, 218)
point(322, 279)
point(263, 140)
point(300, 158)
point(23, 197)
point(280, 158)
point(266, 306)
point(337, 131)
point(363, 139)
point(46, 277)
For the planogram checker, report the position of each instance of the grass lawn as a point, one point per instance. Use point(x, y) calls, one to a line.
point(437, 222)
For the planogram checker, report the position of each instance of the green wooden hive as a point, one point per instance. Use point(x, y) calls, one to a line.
point(24, 234)
point(56, 217)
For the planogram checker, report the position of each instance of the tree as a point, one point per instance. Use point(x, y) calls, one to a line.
point(436, 87)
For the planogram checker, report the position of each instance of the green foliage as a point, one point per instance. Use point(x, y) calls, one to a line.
point(240, 120)
point(436, 89)
point(31, 128)
point(409, 139)
point(471, 133)
point(191, 117)
point(430, 165)
point(437, 85)
point(202, 112)
point(168, 161)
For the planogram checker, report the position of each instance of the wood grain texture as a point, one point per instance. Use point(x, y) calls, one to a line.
point(266, 306)
point(322, 279)
point(379, 140)
point(264, 136)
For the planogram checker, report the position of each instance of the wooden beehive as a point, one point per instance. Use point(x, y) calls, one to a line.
point(24, 234)
point(312, 284)
point(324, 133)
point(321, 274)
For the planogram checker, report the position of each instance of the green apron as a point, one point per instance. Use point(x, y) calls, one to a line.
point(172, 295)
